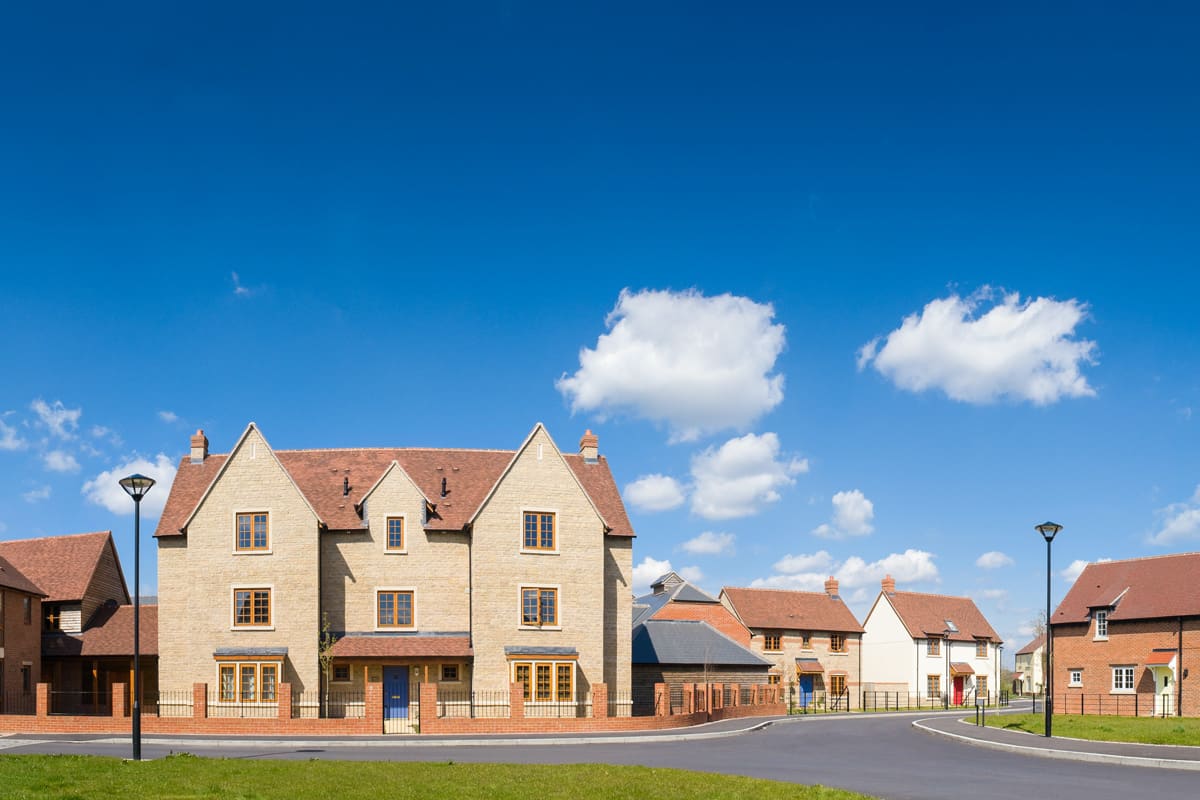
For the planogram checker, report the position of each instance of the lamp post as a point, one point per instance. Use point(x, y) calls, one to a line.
point(136, 487)
point(1048, 530)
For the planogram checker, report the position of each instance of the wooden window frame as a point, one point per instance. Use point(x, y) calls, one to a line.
point(838, 643)
point(981, 685)
point(773, 679)
point(395, 593)
point(255, 595)
point(981, 648)
point(834, 681)
point(445, 677)
point(806, 640)
point(539, 623)
point(251, 546)
point(539, 532)
point(933, 647)
point(262, 686)
point(529, 673)
point(388, 547)
point(335, 678)
point(778, 642)
point(933, 685)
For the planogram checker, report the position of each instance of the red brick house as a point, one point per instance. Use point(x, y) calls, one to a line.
point(20, 638)
point(1125, 637)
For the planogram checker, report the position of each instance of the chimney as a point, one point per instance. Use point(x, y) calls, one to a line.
point(589, 447)
point(889, 584)
point(831, 587)
point(199, 447)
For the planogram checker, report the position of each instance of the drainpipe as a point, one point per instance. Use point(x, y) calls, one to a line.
point(1179, 672)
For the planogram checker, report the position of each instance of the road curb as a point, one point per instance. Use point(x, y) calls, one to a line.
point(1063, 755)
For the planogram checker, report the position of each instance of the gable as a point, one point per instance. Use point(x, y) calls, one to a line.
point(60, 566)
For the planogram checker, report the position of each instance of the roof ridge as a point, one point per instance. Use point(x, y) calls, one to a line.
point(769, 589)
point(938, 594)
point(389, 448)
point(58, 536)
point(1142, 558)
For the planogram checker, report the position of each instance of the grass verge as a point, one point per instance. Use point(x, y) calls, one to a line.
point(1141, 730)
point(186, 776)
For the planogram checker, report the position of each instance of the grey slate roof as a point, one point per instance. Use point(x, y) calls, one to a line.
point(250, 651)
point(689, 642)
point(646, 606)
point(528, 650)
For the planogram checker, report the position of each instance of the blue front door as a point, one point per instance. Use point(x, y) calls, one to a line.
point(395, 692)
point(806, 690)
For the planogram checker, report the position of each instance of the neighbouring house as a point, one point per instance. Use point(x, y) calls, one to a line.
point(1124, 635)
point(1028, 670)
point(86, 603)
point(472, 569)
point(682, 634)
point(932, 647)
point(812, 639)
point(20, 638)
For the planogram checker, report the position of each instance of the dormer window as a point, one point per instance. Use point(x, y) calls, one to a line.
point(1101, 623)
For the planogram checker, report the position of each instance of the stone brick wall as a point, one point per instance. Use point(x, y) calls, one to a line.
point(792, 642)
point(198, 573)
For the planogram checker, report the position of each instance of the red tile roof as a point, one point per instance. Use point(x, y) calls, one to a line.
point(367, 646)
point(961, 668)
point(1147, 588)
point(62, 566)
point(1160, 658)
point(11, 578)
point(786, 609)
point(320, 475)
point(113, 636)
point(1032, 647)
point(926, 614)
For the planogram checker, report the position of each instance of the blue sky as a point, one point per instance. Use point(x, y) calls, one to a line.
point(841, 292)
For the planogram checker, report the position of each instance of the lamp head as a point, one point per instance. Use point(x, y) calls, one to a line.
point(136, 485)
point(1048, 530)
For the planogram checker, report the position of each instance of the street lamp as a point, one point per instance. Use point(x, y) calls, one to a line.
point(136, 487)
point(1048, 530)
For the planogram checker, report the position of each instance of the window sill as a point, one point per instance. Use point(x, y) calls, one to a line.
point(839, 652)
point(252, 628)
point(526, 552)
point(1099, 638)
point(1074, 685)
point(266, 552)
point(396, 552)
point(539, 627)
point(395, 628)
point(1122, 691)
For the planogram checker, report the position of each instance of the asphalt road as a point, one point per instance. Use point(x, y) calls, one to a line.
point(880, 756)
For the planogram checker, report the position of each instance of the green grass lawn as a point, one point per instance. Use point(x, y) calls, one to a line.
point(185, 776)
point(1144, 730)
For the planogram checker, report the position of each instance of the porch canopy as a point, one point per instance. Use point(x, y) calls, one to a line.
point(363, 646)
point(961, 668)
point(809, 666)
point(1163, 659)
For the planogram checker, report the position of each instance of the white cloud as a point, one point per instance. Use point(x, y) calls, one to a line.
point(99, 431)
point(168, 416)
point(808, 572)
point(738, 478)
point(994, 594)
point(792, 565)
point(993, 559)
point(648, 570)
point(654, 493)
point(691, 574)
point(709, 543)
point(852, 515)
point(60, 461)
point(1180, 522)
point(699, 364)
point(9, 439)
point(1072, 572)
point(104, 489)
point(1017, 350)
point(37, 495)
point(57, 418)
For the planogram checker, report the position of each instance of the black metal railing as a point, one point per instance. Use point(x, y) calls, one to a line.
point(1115, 705)
point(168, 704)
point(18, 702)
point(579, 707)
point(473, 705)
point(239, 709)
point(329, 705)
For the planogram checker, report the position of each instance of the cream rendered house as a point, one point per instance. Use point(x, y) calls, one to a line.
point(471, 568)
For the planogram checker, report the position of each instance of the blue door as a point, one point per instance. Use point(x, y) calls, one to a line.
point(806, 690)
point(395, 692)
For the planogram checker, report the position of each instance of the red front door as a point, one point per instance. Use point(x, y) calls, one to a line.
point(958, 690)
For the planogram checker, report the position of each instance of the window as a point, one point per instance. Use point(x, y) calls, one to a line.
point(773, 680)
point(539, 606)
point(1122, 680)
point(248, 682)
point(1101, 624)
point(27, 610)
point(981, 648)
point(1076, 678)
point(837, 643)
point(806, 640)
point(395, 609)
point(251, 608)
point(981, 686)
point(933, 685)
point(772, 642)
point(539, 531)
point(26, 678)
point(546, 681)
point(341, 673)
point(450, 673)
point(837, 684)
point(933, 647)
point(252, 532)
point(395, 534)
point(51, 617)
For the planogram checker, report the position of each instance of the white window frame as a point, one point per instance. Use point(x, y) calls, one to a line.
point(1101, 621)
point(1075, 678)
point(1123, 671)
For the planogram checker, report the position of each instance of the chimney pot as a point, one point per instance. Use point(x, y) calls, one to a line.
point(889, 584)
point(199, 447)
point(831, 587)
point(589, 446)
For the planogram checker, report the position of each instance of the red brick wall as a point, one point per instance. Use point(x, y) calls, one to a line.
point(21, 642)
point(1128, 644)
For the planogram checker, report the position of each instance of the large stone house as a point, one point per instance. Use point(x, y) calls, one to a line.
point(1123, 637)
point(812, 639)
point(931, 647)
point(470, 568)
